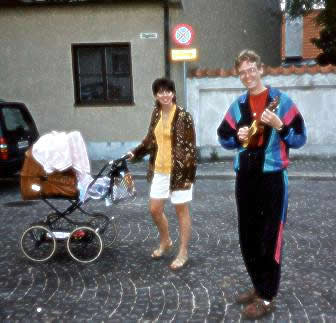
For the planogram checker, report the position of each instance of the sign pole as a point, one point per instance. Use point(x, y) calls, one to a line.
point(185, 83)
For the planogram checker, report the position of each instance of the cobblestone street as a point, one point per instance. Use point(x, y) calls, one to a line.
point(125, 285)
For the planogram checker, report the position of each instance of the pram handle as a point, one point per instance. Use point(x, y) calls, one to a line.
point(121, 159)
point(112, 164)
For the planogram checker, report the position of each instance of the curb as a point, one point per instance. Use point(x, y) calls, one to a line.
point(230, 176)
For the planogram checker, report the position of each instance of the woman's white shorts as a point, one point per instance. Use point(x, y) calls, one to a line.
point(160, 190)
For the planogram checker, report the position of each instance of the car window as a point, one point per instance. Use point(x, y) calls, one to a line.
point(14, 119)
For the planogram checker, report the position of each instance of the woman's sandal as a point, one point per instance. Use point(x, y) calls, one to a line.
point(160, 252)
point(179, 262)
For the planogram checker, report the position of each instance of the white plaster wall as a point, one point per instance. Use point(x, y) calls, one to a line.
point(315, 95)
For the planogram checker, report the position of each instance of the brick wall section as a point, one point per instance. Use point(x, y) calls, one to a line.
point(310, 30)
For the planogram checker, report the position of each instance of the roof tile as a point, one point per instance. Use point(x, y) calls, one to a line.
point(268, 70)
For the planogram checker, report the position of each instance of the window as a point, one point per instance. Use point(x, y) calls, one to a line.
point(102, 73)
point(14, 119)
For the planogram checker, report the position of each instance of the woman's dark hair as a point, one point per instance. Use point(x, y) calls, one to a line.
point(163, 84)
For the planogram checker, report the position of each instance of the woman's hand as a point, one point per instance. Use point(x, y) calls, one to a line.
point(128, 155)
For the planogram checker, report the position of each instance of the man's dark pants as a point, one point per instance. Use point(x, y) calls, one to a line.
point(262, 200)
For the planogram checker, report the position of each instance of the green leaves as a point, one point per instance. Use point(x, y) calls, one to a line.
point(295, 8)
point(326, 19)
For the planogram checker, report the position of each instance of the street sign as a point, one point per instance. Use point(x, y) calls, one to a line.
point(183, 35)
point(183, 54)
point(148, 35)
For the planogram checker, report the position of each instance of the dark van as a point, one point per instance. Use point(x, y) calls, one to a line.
point(17, 133)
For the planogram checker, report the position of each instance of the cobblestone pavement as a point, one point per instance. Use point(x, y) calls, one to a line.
point(125, 285)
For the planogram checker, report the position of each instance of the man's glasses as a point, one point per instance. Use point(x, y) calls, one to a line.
point(248, 71)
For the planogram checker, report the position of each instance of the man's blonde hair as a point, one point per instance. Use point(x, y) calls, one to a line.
point(247, 55)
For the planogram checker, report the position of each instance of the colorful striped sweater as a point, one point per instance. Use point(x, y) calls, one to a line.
point(276, 143)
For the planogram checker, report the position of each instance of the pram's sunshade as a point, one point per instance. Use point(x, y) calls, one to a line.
point(36, 183)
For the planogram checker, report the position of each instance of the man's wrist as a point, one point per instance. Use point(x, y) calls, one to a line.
point(280, 128)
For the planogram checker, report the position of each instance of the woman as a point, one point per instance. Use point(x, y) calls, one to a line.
point(170, 142)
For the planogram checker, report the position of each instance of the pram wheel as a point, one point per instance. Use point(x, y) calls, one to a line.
point(84, 244)
point(38, 243)
point(107, 228)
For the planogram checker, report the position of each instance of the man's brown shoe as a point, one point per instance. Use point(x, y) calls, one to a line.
point(257, 309)
point(247, 297)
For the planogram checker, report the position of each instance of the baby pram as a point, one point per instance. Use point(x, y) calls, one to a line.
point(84, 238)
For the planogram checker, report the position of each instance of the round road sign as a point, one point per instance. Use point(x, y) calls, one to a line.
point(183, 35)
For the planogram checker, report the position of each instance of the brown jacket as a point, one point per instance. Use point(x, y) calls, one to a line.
point(183, 149)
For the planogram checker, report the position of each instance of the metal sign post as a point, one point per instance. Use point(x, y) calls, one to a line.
point(185, 83)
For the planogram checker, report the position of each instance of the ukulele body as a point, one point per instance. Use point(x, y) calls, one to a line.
point(257, 127)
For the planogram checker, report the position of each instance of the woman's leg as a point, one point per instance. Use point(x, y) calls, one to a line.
point(184, 219)
point(156, 207)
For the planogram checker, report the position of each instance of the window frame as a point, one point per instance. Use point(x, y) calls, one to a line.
point(76, 75)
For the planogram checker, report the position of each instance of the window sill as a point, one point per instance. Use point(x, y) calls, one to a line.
point(103, 105)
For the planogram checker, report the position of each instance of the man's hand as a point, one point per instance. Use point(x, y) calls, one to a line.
point(242, 134)
point(271, 119)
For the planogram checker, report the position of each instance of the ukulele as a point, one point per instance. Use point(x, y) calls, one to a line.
point(257, 126)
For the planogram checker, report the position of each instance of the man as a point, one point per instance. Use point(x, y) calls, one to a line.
point(261, 177)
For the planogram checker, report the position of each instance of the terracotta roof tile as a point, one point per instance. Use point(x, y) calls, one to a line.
point(269, 70)
point(212, 72)
point(314, 69)
point(328, 69)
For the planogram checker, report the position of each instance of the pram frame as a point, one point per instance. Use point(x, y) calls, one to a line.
point(99, 226)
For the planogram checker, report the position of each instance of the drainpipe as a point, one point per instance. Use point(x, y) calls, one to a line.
point(166, 38)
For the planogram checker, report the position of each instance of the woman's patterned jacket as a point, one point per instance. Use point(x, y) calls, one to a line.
point(276, 143)
point(183, 149)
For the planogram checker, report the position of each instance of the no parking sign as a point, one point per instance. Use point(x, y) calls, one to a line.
point(183, 35)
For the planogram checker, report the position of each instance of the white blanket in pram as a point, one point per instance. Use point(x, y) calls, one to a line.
point(61, 150)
